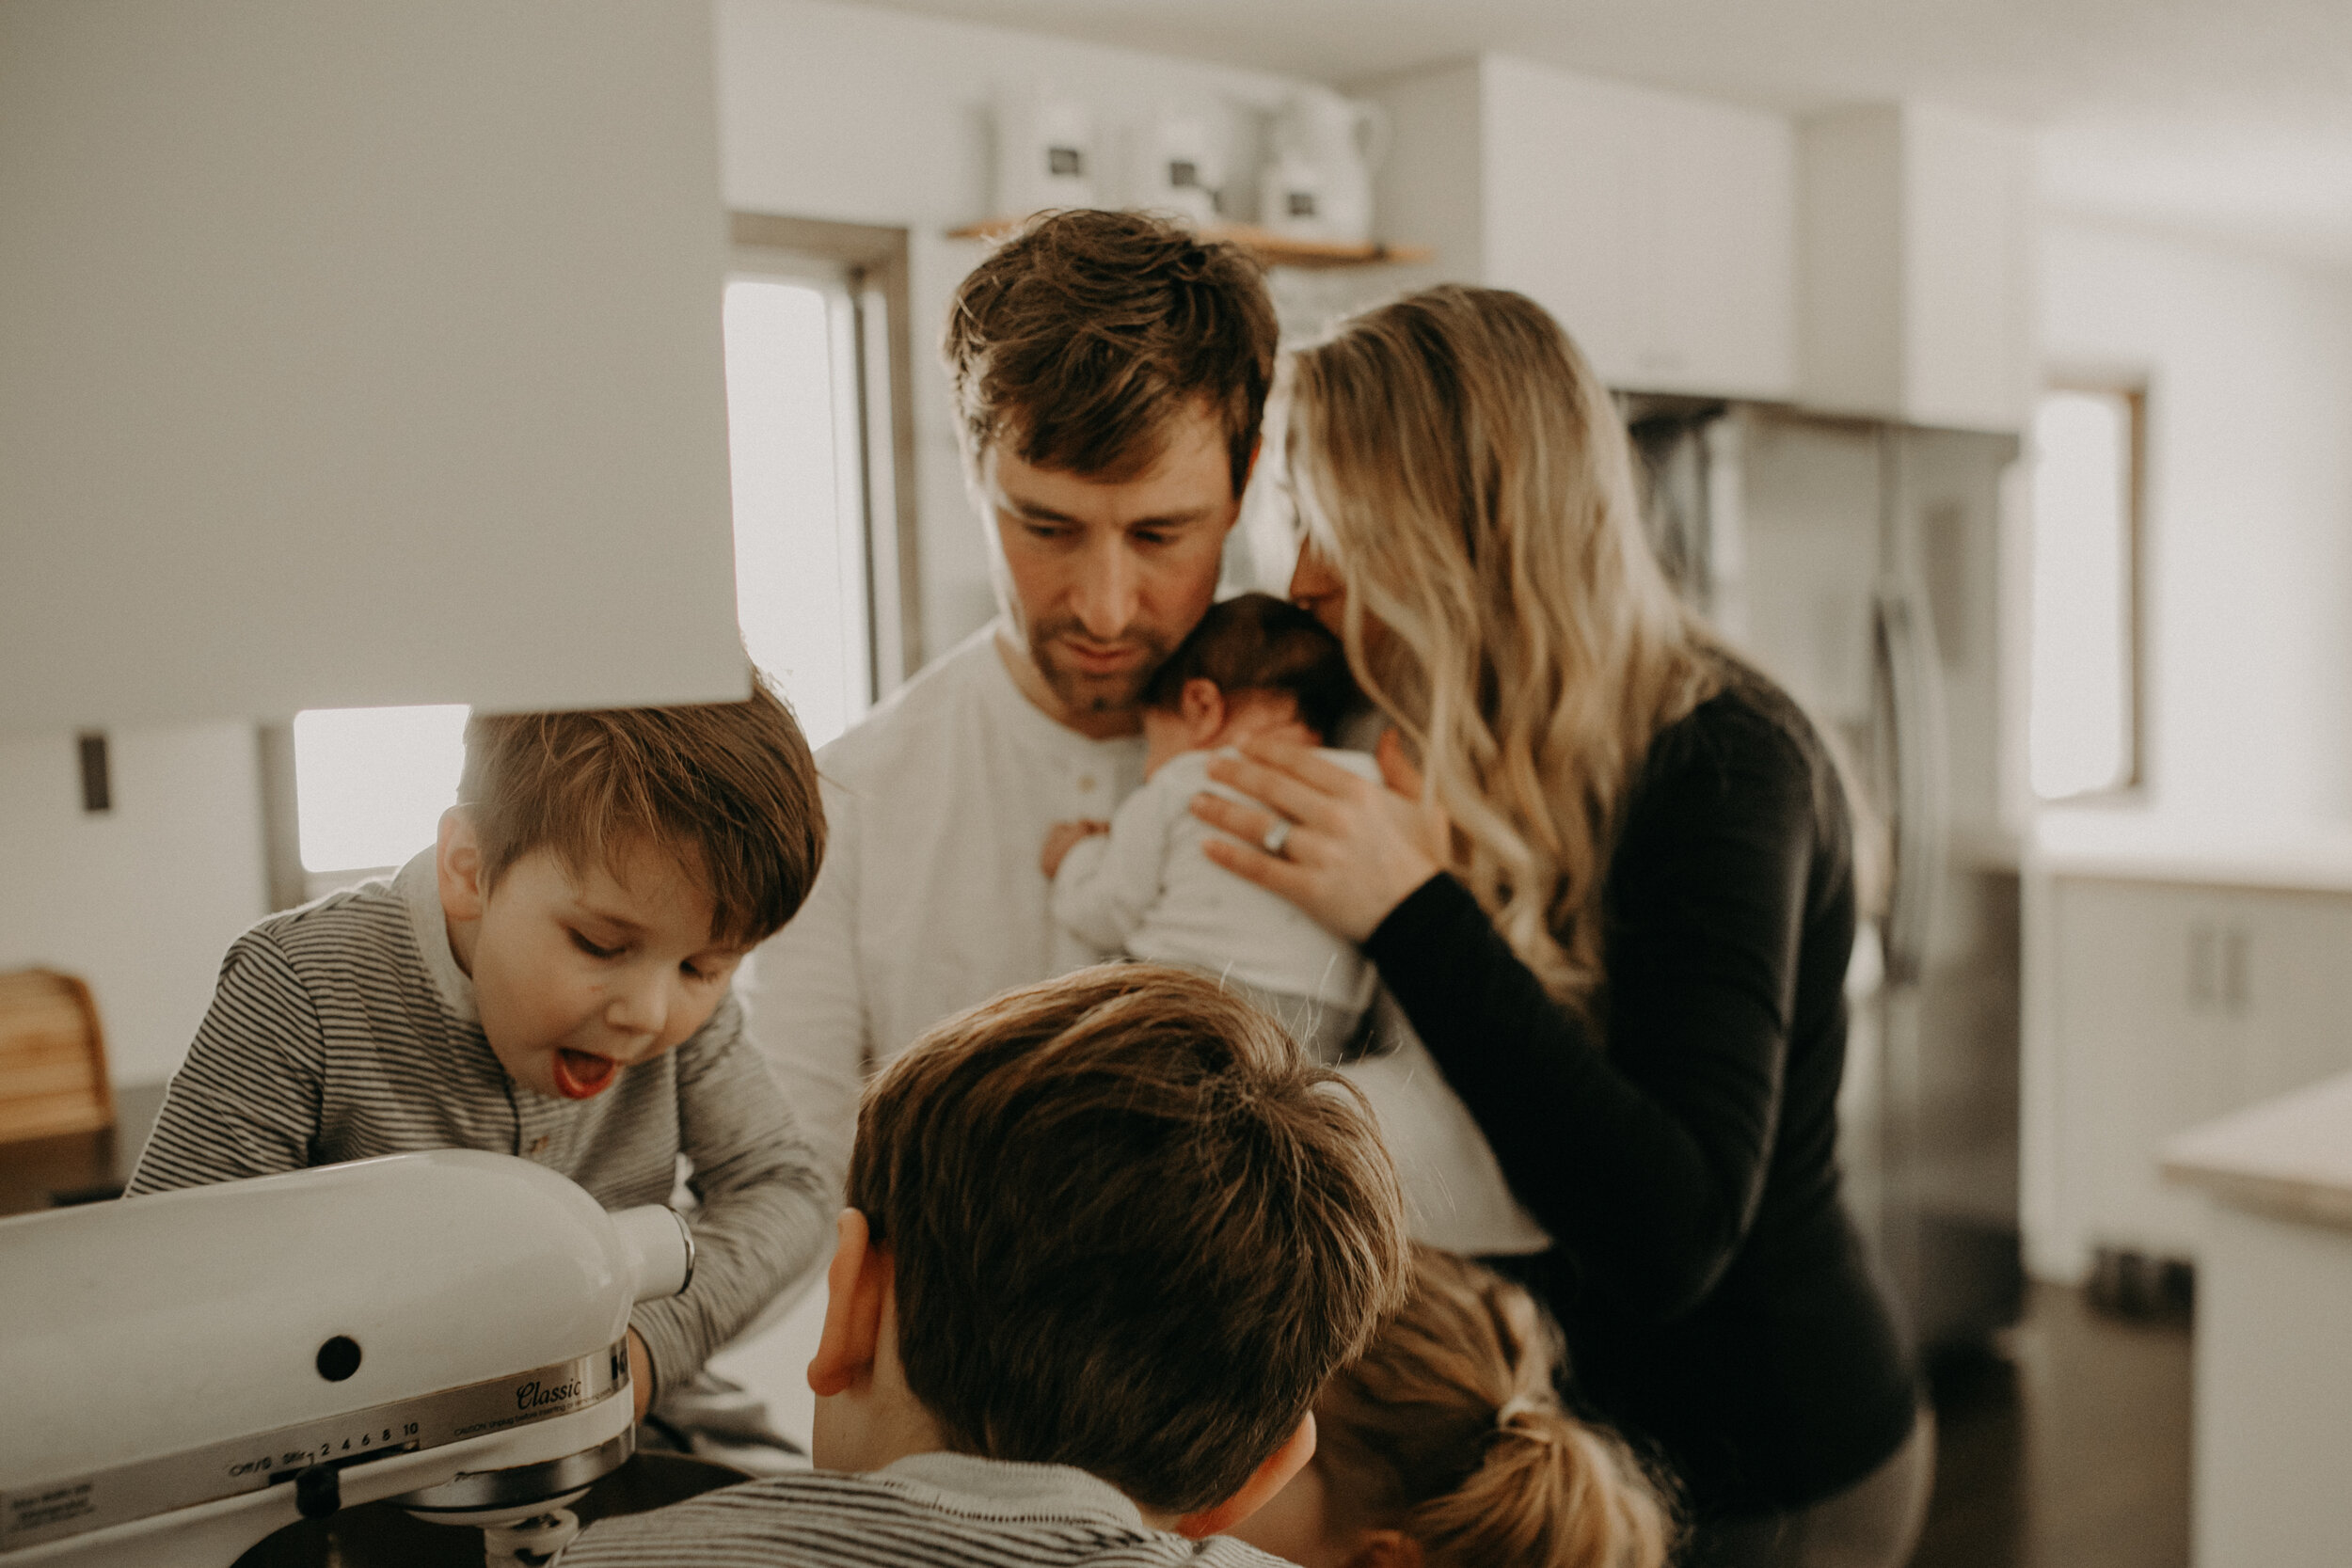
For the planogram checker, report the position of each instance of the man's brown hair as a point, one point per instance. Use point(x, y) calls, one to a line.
point(1257, 643)
point(1079, 340)
point(1133, 1230)
point(728, 789)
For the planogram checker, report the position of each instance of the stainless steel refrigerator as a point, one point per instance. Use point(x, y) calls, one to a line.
point(1860, 564)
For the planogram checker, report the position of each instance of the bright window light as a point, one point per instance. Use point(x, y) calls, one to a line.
point(2080, 736)
point(800, 558)
point(370, 783)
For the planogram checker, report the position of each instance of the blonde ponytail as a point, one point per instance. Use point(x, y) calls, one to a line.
point(1552, 1492)
point(1448, 1429)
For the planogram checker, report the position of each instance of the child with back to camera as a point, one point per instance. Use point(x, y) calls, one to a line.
point(1141, 883)
point(1108, 1237)
point(1444, 1446)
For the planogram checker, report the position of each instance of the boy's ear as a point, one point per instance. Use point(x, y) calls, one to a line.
point(1267, 1478)
point(856, 1285)
point(1202, 706)
point(457, 867)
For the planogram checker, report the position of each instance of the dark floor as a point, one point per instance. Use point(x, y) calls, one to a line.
point(2070, 1449)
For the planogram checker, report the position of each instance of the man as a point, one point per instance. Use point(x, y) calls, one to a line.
point(1110, 370)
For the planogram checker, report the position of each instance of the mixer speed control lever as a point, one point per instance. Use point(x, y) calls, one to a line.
point(319, 1491)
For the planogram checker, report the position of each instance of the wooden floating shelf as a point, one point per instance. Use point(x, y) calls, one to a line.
point(1274, 250)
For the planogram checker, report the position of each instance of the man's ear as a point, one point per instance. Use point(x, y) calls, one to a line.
point(1267, 1478)
point(855, 1286)
point(1201, 706)
point(457, 867)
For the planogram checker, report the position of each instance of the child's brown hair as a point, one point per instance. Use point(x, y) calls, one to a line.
point(1448, 1429)
point(1131, 1229)
point(727, 788)
point(1257, 643)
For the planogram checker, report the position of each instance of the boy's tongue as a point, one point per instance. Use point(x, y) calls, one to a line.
point(579, 1075)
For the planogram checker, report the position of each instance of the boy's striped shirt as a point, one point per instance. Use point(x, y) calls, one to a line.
point(932, 1508)
point(344, 1030)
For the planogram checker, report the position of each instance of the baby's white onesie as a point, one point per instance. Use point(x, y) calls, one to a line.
point(1147, 888)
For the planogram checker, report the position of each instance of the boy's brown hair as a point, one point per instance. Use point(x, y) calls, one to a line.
point(727, 788)
point(1081, 337)
point(1131, 1229)
point(1257, 643)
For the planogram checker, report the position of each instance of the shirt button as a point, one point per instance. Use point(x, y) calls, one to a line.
point(539, 1143)
point(1086, 782)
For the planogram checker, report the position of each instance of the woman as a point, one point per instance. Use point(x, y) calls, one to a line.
point(1611, 883)
point(1444, 1446)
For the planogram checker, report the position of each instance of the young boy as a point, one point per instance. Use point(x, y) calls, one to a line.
point(1107, 1236)
point(1141, 883)
point(551, 980)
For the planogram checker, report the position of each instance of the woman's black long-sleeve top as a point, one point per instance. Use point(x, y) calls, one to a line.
point(1717, 1302)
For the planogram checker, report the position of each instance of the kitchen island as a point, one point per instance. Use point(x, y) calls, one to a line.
point(2273, 1462)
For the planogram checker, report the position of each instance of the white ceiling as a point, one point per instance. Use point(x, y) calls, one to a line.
point(2232, 117)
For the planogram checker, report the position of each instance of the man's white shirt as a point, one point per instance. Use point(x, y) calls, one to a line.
point(930, 898)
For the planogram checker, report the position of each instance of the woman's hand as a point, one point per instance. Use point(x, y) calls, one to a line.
point(1355, 848)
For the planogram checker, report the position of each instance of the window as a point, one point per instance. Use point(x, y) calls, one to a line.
point(371, 783)
point(2083, 730)
point(818, 423)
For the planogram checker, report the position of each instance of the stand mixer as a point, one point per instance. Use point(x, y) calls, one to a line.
point(183, 1374)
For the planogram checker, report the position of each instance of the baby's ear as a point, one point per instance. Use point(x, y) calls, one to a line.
point(1202, 706)
point(457, 867)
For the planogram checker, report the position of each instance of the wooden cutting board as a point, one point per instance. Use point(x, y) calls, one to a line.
point(53, 1057)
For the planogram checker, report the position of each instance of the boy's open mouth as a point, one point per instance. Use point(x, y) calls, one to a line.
point(582, 1075)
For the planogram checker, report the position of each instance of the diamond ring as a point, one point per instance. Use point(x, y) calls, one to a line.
point(1276, 836)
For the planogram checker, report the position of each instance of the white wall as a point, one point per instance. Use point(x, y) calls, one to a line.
point(2249, 366)
point(141, 901)
point(861, 114)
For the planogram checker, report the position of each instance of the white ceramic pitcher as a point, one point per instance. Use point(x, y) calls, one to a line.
point(1325, 149)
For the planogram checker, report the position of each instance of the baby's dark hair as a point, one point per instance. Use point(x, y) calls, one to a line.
point(1257, 643)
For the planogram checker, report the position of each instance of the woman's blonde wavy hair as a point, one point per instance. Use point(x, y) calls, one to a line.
point(1470, 481)
point(1447, 1430)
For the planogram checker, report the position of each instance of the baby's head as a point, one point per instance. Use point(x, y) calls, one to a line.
point(1444, 1446)
point(604, 872)
point(1254, 664)
point(1113, 1220)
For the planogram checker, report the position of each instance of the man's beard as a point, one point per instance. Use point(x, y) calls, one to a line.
point(1081, 692)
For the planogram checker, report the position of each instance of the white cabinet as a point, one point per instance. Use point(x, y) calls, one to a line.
point(359, 354)
point(1659, 228)
point(1914, 248)
point(2162, 1005)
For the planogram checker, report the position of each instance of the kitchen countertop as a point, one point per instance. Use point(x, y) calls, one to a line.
point(2289, 1157)
point(2312, 857)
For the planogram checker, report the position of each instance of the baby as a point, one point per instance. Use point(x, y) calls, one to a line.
point(1141, 884)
